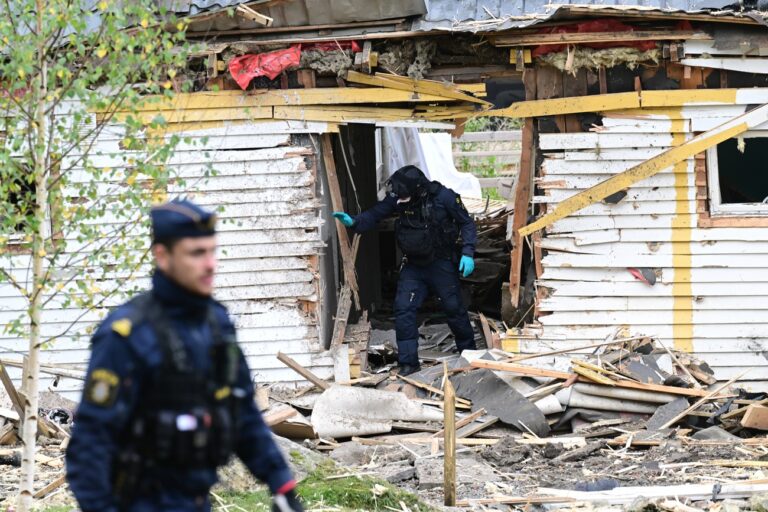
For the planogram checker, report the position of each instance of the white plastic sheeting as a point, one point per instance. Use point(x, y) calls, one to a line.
point(429, 151)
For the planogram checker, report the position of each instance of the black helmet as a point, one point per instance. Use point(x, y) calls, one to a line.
point(407, 181)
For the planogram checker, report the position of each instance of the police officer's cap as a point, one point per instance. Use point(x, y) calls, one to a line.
point(181, 218)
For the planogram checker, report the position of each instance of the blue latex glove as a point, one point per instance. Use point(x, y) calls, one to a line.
point(344, 219)
point(466, 266)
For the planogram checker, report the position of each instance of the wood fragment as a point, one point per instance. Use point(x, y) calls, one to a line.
point(13, 394)
point(429, 388)
point(462, 422)
point(698, 403)
point(311, 377)
point(742, 410)
point(48, 489)
point(252, 15)
point(756, 416)
point(593, 376)
point(279, 416)
point(474, 428)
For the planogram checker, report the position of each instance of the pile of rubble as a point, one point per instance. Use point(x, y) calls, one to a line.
point(630, 419)
point(54, 427)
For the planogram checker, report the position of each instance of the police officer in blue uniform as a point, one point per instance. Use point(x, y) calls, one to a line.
point(430, 219)
point(168, 395)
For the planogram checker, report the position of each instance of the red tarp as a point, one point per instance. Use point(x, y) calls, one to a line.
point(247, 67)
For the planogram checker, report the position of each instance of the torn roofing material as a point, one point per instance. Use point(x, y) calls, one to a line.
point(498, 15)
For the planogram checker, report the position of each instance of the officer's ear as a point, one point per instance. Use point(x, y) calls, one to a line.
point(162, 251)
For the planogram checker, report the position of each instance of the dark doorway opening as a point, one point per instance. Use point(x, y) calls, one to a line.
point(742, 175)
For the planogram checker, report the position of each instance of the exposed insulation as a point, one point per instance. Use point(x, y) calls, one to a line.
point(594, 59)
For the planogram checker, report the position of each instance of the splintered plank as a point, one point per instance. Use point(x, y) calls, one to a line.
point(409, 84)
point(311, 377)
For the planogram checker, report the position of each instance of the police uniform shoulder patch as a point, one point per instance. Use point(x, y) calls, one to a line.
point(102, 387)
point(122, 327)
point(460, 203)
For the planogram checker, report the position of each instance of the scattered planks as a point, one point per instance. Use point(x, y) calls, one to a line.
point(539, 372)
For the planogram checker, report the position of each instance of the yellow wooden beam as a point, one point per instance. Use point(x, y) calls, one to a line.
point(271, 98)
point(575, 105)
point(630, 103)
point(680, 97)
point(408, 84)
point(343, 113)
point(207, 125)
point(650, 167)
point(197, 115)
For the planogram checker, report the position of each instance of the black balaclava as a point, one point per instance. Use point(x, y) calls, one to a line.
point(408, 181)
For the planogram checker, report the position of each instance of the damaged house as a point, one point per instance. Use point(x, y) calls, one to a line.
point(638, 209)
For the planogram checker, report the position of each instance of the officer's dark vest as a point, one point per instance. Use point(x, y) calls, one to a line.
point(186, 418)
point(420, 235)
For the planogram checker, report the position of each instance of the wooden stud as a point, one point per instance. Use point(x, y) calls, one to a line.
point(307, 78)
point(348, 259)
point(603, 80)
point(462, 422)
point(311, 377)
point(345, 303)
point(449, 466)
point(522, 197)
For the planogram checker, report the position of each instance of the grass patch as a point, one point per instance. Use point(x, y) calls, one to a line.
point(348, 494)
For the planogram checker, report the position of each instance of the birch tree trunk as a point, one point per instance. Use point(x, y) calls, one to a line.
point(41, 236)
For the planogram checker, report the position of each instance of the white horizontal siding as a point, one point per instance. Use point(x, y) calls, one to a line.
point(264, 190)
point(711, 291)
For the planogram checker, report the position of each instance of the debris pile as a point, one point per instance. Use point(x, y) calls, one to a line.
point(626, 418)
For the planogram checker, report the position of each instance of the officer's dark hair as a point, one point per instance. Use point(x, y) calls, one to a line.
point(168, 243)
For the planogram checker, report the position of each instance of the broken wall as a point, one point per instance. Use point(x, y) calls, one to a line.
point(705, 284)
point(264, 181)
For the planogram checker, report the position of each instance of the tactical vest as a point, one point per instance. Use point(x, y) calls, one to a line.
point(420, 235)
point(186, 418)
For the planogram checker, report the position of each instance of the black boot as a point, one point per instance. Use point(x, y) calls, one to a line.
point(407, 369)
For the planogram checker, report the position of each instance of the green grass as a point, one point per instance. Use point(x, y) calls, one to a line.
point(348, 494)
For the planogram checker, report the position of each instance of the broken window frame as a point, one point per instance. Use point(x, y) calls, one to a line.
point(716, 207)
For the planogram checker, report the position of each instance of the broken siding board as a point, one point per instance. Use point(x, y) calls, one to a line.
point(559, 167)
point(648, 318)
point(590, 140)
point(657, 248)
point(654, 260)
point(701, 303)
point(663, 275)
point(640, 289)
